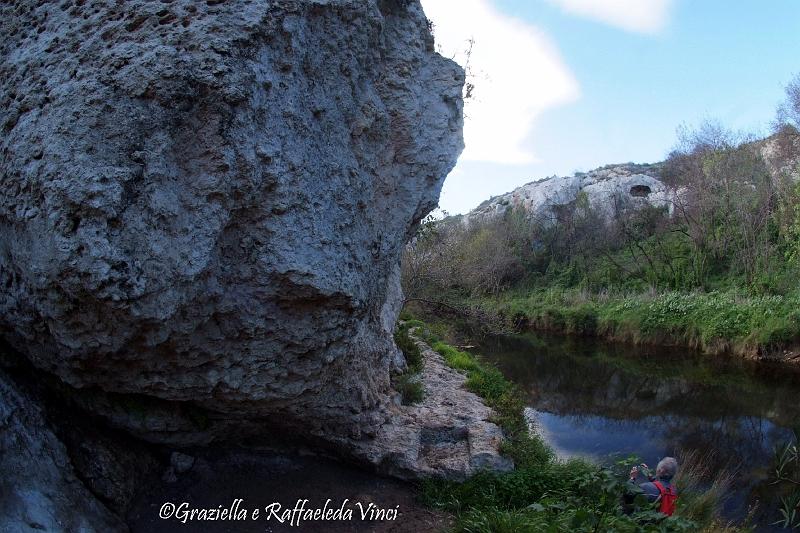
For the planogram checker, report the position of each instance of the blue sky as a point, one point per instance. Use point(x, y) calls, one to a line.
point(614, 81)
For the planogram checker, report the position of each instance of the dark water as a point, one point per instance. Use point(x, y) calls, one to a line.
point(600, 401)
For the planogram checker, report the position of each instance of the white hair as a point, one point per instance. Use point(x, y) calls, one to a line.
point(667, 467)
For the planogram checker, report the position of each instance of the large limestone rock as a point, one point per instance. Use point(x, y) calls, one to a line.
point(606, 190)
point(781, 154)
point(205, 202)
point(612, 189)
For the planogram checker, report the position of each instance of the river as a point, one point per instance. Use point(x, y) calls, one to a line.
point(603, 401)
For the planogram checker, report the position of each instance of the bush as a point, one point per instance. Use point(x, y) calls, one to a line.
point(408, 383)
point(410, 388)
point(409, 348)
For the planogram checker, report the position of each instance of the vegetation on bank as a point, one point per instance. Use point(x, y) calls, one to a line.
point(715, 267)
point(713, 322)
point(544, 493)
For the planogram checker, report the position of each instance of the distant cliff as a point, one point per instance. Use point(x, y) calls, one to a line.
point(626, 185)
point(604, 189)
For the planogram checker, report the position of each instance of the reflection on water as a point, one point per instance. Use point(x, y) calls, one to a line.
point(599, 438)
point(599, 401)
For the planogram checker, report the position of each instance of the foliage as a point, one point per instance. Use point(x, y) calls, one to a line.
point(409, 348)
point(787, 473)
point(408, 383)
point(446, 255)
point(730, 223)
point(714, 322)
point(542, 493)
point(788, 113)
point(555, 496)
point(410, 388)
point(791, 227)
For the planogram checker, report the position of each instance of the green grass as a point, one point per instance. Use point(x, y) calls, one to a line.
point(542, 493)
point(497, 392)
point(703, 489)
point(456, 358)
point(714, 322)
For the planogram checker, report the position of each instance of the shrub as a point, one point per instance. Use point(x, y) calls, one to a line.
point(408, 383)
point(409, 348)
point(410, 388)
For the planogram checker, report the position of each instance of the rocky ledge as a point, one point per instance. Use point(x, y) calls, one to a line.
point(448, 434)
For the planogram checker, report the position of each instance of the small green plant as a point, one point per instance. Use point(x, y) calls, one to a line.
point(405, 315)
point(410, 388)
point(409, 348)
point(409, 384)
point(787, 473)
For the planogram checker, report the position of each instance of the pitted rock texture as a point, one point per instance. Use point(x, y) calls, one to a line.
point(206, 201)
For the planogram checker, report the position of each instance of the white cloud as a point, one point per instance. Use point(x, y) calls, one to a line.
point(517, 72)
point(642, 16)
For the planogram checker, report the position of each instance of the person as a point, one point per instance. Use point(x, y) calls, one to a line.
point(660, 487)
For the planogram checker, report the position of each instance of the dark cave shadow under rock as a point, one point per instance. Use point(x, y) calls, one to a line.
point(259, 479)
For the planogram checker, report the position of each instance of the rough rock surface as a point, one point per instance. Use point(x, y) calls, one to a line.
point(781, 154)
point(606, 189)
point(448, 434)
point(206, 201)
point(39, 489)
point(204, 205)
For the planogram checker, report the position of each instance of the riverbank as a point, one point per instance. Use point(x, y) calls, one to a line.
point(590, 398)
point(754, 327)
point(543, 493)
